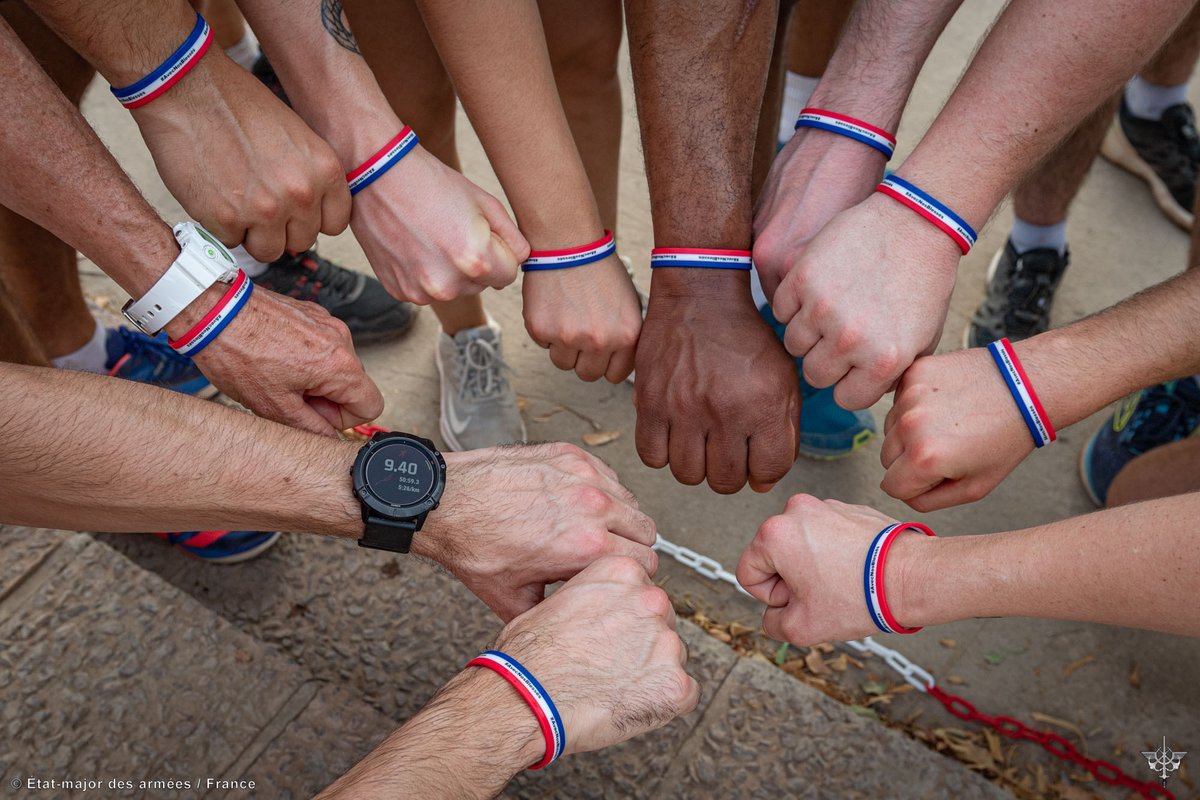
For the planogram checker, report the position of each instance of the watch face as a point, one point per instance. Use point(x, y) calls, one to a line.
point(400, 474)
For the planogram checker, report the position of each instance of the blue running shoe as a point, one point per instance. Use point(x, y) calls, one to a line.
point(827, 431)
point(134, 356)
point(222, 547)
point(1150, 418)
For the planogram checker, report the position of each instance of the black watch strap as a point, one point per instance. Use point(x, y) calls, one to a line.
point(389, 534)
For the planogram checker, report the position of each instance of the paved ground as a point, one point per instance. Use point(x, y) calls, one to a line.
point(309, 602)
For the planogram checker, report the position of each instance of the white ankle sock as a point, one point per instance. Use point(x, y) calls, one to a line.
point(756, 290)
point(797, 89)
point(245, 52)
point(1026, 236)
point(249, 264)
point(92, 357)
point(1148, 101)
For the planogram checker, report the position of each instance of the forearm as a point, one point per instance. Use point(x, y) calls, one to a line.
point(467, 742)
point(877, 60)
point(1008, 112)
point(495, 52)
point(1134, 566)
point(1143, 340)
point(328, 83)
point(69, 442)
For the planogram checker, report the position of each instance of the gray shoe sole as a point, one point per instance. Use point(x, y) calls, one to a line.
point(1117, 149)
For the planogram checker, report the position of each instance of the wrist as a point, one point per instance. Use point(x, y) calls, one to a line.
point(674, 283)
point(134, 54)
point(912, 232)
point(437, 538)
point(915, 580)
point(504, 726)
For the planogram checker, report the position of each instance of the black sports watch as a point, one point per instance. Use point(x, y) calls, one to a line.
point(398, 478)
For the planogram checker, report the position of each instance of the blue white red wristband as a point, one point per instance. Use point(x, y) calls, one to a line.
point(168, 73)
point(877, 605)
point(532, 692)
point(931, 209)
point(374, 167)
point(540, 260)
point(1022, 391)
point(210, 326)
point(850, 127)
point(699, 258)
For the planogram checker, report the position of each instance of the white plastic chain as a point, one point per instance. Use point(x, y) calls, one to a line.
point(913, 674)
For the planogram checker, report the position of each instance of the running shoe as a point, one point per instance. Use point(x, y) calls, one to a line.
point(134, 356)
point(1165, 153)
point(479, 405)
point(827, 431)
point(222, 547)
point(1020, 291)
point(356, 299)
point(1150, 418)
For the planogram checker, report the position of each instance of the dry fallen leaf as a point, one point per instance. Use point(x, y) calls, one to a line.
point(1135, 676)
point(816, 663)
point(720, 635)
point(390, 569)
point(1058, 722)
point(598, 438)
point(242, 657)
point(956, 680)
point(993, 743)
point(737, 629)
point(548, 414)
point(1077, 664)
point(949, 643)
point(522, 404)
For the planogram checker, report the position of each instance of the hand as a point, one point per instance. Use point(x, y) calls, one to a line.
point(588, 317)
point(868, 296)
point(515, 519)
point(288, 361)
point(954, 432)
point(716, 394)
point(430, 234)
point(814, 178)
point(242, 163)
point(807, 565)
point(605, 649)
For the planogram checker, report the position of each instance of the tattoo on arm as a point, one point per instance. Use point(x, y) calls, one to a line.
point(334, 20)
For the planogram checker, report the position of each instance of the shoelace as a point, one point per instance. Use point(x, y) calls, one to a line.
point(482, 370)
point(1164, 413)
point(137, 346)
point(1180, 125)
point(1026, 297)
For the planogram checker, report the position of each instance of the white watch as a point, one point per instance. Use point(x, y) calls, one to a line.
point(202, 262)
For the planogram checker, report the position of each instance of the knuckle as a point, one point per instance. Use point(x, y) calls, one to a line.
point(774, 531)
point(591, 544)
point(801, 502)
point(885, 363)
point(592, 501)
point(656, 601)
point(624, 569)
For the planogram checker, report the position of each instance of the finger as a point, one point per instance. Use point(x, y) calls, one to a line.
point(824, 366)
point(800, 337)
point(563, 356)
point(691, 697)
point(266, 242)
point(297, 413)
point(771, 457)
point(651, 435)
point(893, 416)
point(893, 447)
point(625, 520)
point(756, 571)
point(335, 209)
point(726, 458)
point(301, 233)
point(505, 231)
point(903, 480)
point(591, 366)
point(620, 365)
point(782, 624)
point(785, 300)
point(621, 546)
point(946, 494)
point(860, 389)
point(357, 397)
point(685, 451)
point(331, 412)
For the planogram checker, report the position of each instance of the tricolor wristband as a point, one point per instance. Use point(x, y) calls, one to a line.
point(387, 157)
point(540, 260)
point(931, 209)
point(877, 606)
point(1022, 391)
point(699, 258)
point(210, 326)
point(532, 693)
point(168, 73)
point(849, 127)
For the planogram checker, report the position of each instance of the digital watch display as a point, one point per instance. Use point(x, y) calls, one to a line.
point(398, 479)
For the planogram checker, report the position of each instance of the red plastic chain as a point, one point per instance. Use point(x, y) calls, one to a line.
point(1056, 745)
point(368, 430)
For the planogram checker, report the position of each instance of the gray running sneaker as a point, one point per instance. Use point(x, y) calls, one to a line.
point(479, 405)
point(1165, 153)
point(1020, 291)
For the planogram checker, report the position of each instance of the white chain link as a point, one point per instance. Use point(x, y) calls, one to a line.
point(915, 675)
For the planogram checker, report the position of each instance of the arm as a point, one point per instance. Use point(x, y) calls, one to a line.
point(286, 360)
point(717, 396)
point(511, 520)
point(495, 52)
point(1002, 119)
point(947, 404)
point(238, 160)
point(429, 233)
point(807, 565)
point(476, 733)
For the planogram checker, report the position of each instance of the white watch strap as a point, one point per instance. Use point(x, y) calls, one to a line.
point(202, 262)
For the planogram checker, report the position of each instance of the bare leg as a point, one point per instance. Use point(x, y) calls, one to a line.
point(583, 40)
point(393, 39)
point(1163, 472)
point(813, 34)
point(226, 20)
point(18, 344)
point(42, 273)
point(1174, 62)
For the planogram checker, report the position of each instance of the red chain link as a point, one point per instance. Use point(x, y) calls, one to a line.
point(1056, 745)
